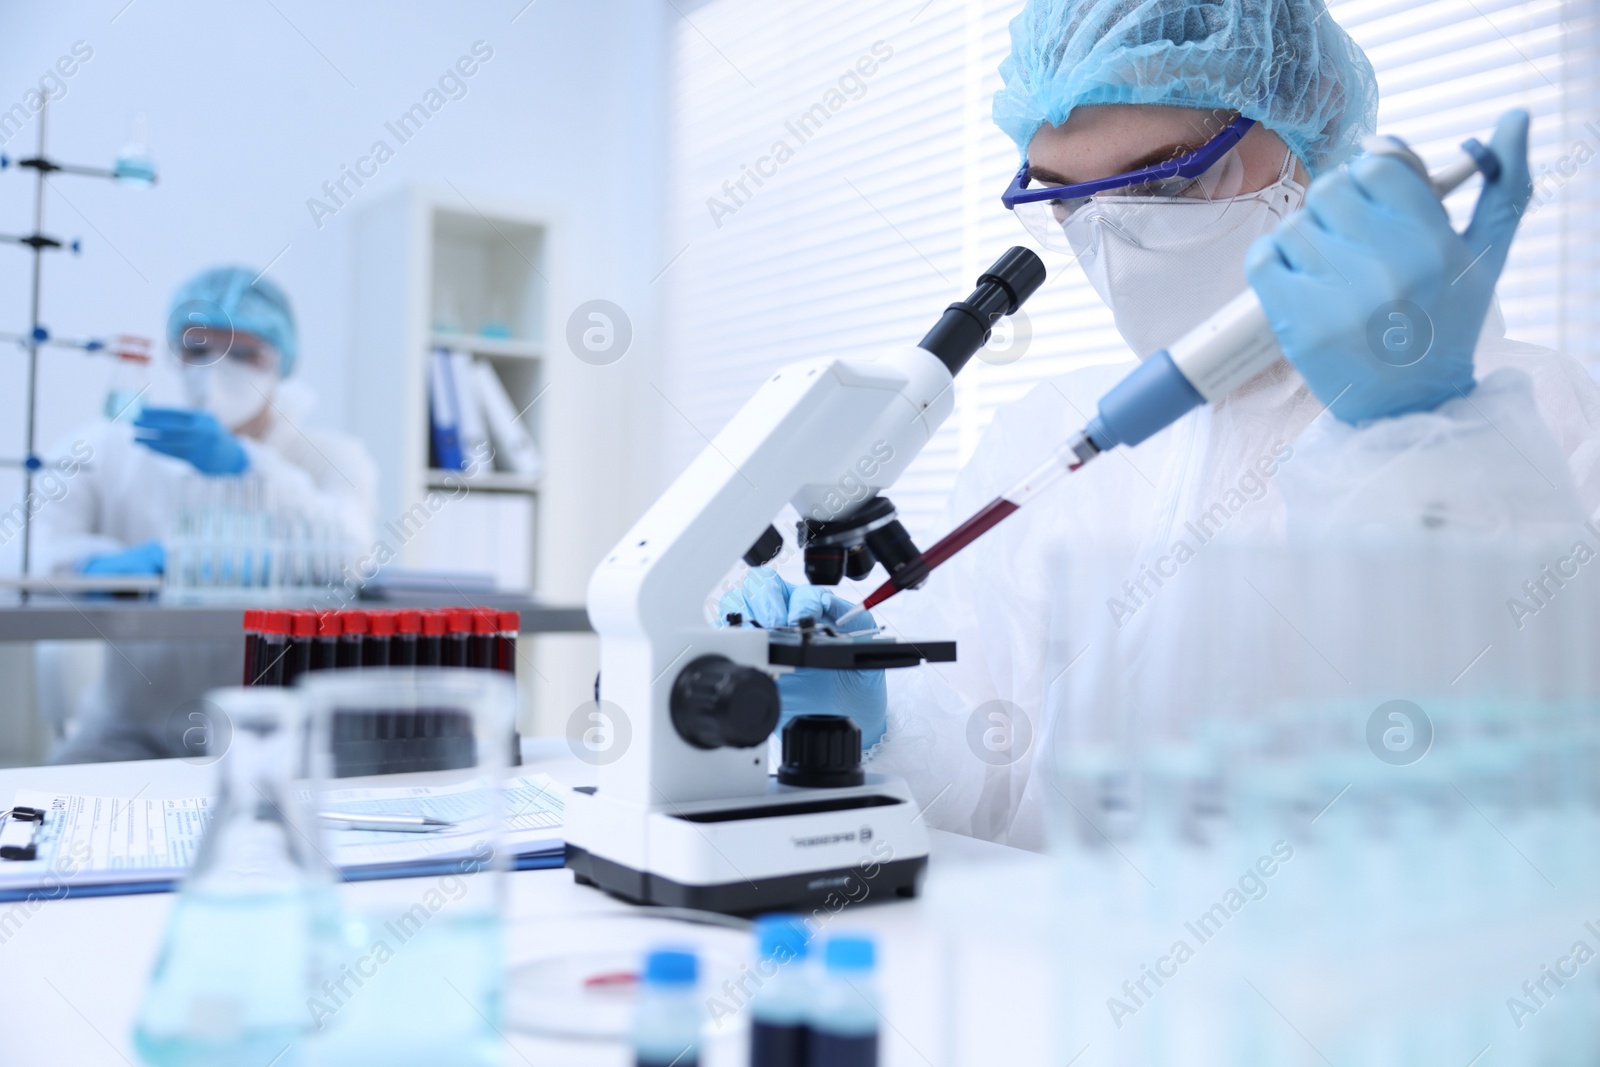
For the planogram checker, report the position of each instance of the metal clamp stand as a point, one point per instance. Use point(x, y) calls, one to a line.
point(133, 170)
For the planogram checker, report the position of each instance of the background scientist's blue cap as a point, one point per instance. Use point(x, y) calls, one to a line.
point(1284, 63)
point(235, 298)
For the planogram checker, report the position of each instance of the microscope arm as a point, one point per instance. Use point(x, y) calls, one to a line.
point(824, 434)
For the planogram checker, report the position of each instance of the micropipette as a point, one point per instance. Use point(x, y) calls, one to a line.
point(1203, 366)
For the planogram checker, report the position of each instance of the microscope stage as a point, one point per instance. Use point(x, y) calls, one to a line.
point(793, 648)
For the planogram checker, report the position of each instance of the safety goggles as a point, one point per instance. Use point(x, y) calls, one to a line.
point(1210, 172)
point(202, 346)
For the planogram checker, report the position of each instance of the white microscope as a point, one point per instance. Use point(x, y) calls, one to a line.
point(688, 815)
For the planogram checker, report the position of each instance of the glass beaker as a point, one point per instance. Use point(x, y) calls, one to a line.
point(415, 971)
point(236, 966)
point(130, 379)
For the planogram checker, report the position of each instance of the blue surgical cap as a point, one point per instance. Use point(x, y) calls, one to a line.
point(1284, 63)
point(235, 298)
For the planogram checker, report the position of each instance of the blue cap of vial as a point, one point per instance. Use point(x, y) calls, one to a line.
point(850, 953)
point(671, 966)
point(781, 937)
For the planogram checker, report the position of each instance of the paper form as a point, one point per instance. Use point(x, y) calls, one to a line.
point(532, 810)
point(89, 840)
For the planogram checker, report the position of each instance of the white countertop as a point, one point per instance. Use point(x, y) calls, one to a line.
point(964, 969)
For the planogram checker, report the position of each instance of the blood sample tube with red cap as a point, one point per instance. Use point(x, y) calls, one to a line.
point(481, 650)
point(403, 646)
point(302, 635)
point(325, 649)
point(352, 636)
point(375, 647)
point(458, 629)
point(506, 645)
point(252, 639)
point(274, 648)
point(430, 643)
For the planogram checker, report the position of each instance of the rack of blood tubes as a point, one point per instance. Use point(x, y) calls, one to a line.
point(280, 646)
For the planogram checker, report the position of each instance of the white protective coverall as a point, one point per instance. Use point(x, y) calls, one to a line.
point(126, 493)
point(1520, 454)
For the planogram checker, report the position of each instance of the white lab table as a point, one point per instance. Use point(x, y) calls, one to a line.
point(965, 968)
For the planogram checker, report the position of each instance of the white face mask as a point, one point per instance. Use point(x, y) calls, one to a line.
point(230, 389)
point(1163, 266)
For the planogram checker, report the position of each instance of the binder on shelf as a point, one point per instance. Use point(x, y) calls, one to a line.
point(444, 414)
point(513, 444)
point(472, 434)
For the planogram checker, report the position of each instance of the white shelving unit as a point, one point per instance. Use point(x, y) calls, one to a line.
point(432, 269)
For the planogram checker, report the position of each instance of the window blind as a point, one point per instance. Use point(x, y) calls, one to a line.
point(836, 178)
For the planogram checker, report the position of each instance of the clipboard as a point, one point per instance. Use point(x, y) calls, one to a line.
point(19, 832)
point(74, 845)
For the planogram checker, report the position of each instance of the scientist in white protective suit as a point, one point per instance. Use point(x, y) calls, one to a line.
point(1420, 425)
point(234, 335)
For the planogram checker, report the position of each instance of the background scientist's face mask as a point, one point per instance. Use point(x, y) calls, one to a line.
point(1164, 264)
point(234, 382)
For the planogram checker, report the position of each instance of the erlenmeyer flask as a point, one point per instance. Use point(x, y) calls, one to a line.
point(231, 982)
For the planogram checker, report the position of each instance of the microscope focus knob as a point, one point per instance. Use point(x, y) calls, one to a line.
point(718, 703)
point(821, 752)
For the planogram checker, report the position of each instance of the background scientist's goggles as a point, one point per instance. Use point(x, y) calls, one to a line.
point(1213, 171)
point(204, 346)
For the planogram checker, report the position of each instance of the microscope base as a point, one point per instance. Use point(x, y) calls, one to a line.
point(785, 849)
point(895, 880)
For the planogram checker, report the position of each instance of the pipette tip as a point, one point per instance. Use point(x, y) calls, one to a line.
point(854, 613)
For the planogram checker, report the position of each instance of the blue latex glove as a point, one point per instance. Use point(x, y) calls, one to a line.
point(1373, 297)
point(147, 557)
point(768, 600)
point(193, 436)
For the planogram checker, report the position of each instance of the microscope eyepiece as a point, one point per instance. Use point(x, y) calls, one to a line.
point(1020, 271)
point(1002, 289)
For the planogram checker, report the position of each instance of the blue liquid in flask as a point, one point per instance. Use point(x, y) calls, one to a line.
point(231, 982)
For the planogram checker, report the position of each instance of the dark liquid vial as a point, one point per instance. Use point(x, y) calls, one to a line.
point(273, 651)
point(252, 642)
point(775, 1045)
point(481, 651)
point(374, 651)
point(453, 652)
point(428, 651)
point(298, 659)
point(837, 1050)
point(403, 650)
point(349, 651)
point(324, 654)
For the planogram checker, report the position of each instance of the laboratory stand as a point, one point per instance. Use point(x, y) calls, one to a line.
point(133, 167)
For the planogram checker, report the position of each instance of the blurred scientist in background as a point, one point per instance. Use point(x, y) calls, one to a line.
point(234, 335)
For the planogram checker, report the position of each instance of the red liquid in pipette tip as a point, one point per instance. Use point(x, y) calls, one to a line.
point(951, 543)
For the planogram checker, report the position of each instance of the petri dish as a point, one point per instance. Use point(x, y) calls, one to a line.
point(572, 978)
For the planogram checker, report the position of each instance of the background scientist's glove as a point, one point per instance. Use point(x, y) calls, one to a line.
point(1373, 297)
point(767, 599)
point(194, 436)
point(146, 557)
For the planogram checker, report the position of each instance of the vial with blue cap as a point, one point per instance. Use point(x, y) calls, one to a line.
point(844, 1012)
point(780, 1004)
point(666, 1030)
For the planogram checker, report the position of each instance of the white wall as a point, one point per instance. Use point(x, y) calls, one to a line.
point(250, 111)
point(252, 106)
